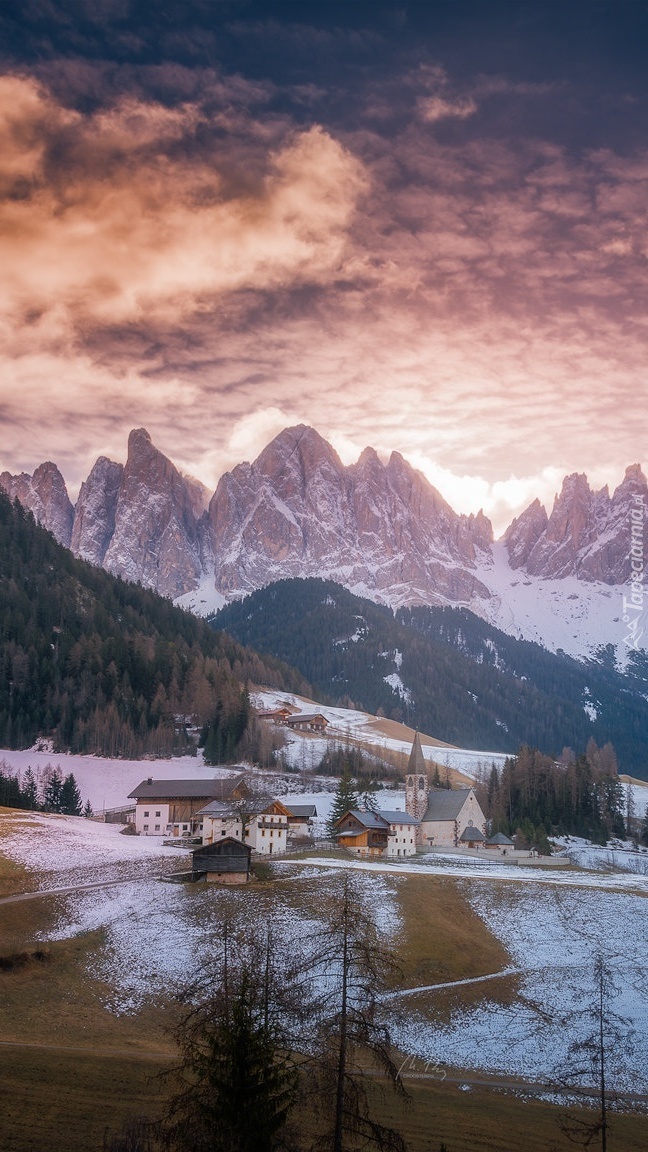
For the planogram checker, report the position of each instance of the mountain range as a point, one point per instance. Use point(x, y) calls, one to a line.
point(378, 528)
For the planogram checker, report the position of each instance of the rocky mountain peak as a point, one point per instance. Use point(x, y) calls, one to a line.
point(156, 538)
point(587, 534)
point(96, 507)
point(46, 496)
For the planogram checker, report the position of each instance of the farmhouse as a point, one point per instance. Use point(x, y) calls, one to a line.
point(300, 820)
point(306, 722)
point(172, 807)
point(377, 833)
point(262, 827)
point(276, 715)
point(444, 813)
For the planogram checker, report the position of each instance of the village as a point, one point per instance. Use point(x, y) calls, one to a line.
point(227, 823)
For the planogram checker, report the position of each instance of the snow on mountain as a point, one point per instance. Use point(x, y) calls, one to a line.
point(378, 528)
point(574, 615)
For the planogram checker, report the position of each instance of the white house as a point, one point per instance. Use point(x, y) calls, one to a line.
point(266, 831)
point(172, 807)
point(401, 840)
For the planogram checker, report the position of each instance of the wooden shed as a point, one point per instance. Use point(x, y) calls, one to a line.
point(227, 861)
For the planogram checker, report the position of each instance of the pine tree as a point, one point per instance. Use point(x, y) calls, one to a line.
point(346, 797)
point(52, 796)
point(30, 789)
point(237, 1082)
point(70, 800)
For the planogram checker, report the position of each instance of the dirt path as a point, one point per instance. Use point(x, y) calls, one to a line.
point(74, 888)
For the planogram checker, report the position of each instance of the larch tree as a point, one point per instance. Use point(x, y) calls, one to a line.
point(353, 969)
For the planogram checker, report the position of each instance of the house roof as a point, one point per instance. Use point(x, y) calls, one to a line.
point(306, 811)
point(471, 833)
point(151, 789)
point(446, 803)
point(500, 838)
point(306, 718)
point(396, 817)
point(367, 819)
point(228, 846)
point(216, 808)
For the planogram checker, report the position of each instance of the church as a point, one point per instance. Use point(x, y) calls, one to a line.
point(449, 817)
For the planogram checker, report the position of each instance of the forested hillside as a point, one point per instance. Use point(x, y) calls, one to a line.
point(99, 665)
point(445, 671)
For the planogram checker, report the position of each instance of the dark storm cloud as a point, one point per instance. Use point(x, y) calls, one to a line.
point(421, 226)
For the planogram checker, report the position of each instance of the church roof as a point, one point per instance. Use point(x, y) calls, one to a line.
point(416, 765)
point(445, 803)
point(500, 838)
point(471, 834)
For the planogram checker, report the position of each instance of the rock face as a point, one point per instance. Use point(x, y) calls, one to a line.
point(46, 495)
point(378, 529)
point(96, 508)
point(588, 535)
point(156, 539)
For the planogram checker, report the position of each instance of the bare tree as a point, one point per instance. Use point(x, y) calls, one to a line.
point(353, 969)
point(592, 1058)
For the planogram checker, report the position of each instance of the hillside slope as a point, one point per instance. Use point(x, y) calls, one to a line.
point(443, 670)
point(99, 665)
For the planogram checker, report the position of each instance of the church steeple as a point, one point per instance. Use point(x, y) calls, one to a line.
point(416, 765)
point(417, 785)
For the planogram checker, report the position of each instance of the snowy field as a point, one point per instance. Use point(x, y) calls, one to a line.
point(552, 937)
point(104, 782)
point(550, 923)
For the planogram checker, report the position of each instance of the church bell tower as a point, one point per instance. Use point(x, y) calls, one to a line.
point(417, 785)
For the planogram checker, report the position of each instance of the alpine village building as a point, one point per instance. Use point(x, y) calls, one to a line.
point(433, 818)
point(217, 809)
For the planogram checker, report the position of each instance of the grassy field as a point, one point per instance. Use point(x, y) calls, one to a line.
point(70, 1069)
point(66, 1102)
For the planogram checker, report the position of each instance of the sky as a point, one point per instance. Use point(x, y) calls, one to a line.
point(417, 226)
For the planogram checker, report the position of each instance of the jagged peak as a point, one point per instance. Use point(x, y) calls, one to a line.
point(634, 472)
point(299, 439)
point(138, 436)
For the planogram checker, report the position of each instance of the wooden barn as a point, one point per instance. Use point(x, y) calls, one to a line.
point(226, 861)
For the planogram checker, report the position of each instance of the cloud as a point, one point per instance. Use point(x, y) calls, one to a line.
point(250, 435)
point(431, 109)
point(175, 260)
point(114, 221)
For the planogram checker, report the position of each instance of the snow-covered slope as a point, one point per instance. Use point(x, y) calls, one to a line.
point(574, 615)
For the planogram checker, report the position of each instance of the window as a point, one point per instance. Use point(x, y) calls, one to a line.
point(223, 832)
point(146, 827)
point(146, 813)
point(157, 827)
point(158, 813)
